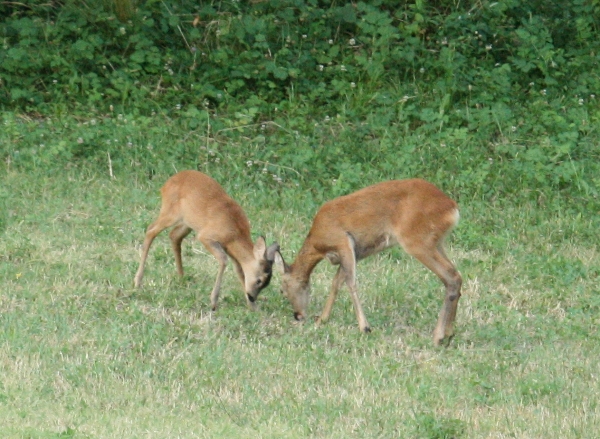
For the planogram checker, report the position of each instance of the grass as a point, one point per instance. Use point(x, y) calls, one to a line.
point(84, 355)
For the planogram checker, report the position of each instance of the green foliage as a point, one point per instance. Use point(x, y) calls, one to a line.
point(488, 97)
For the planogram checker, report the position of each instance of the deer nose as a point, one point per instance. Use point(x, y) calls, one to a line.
point(298, 316)
point(252, 299)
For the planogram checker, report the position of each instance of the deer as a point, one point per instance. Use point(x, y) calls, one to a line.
point(412, 213)
point(194, 201)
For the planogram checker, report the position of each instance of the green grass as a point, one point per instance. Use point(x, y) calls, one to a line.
point(84, 355)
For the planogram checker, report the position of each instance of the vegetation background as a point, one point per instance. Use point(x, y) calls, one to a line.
point(289, 103)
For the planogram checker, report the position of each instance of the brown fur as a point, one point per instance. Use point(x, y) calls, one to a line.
point(192, 200)
point(412, 213)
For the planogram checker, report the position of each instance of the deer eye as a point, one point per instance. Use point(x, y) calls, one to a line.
point(258, 281)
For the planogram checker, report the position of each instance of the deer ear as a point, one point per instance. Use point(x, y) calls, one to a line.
point(259, 248)
point(271, 250)
point(282, 267)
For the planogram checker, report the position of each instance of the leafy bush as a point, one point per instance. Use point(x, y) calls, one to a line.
point(490, 97)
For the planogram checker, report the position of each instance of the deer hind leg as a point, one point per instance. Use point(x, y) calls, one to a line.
point(339, 278)
point(177, 234)
point(165, 219)
point(436, 260)
point(453, 287)
point(219, 253)
point(348, 266)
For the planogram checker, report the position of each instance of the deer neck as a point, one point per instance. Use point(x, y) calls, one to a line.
point(243, 252)
point(306, 261)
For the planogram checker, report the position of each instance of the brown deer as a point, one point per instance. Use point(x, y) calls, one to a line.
point(412, 213)
point(192, 200)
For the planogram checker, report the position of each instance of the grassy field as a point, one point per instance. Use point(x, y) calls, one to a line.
point(84, 355)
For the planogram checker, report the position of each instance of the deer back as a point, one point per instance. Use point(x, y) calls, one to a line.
point(203, 205)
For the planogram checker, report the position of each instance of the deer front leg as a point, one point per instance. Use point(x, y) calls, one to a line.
point(335, 286)
point(348, 266)
point(363, 325)
point(240, 272)
point(217, 251)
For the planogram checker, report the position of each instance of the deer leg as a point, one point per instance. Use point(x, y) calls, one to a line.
point(453, 286)
point(217, 251)
point(163, 221)
point(240, 273)
point(453, 283)
point(335, 286)
point(348, 265)
point(436, 260)
point(177, 235)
